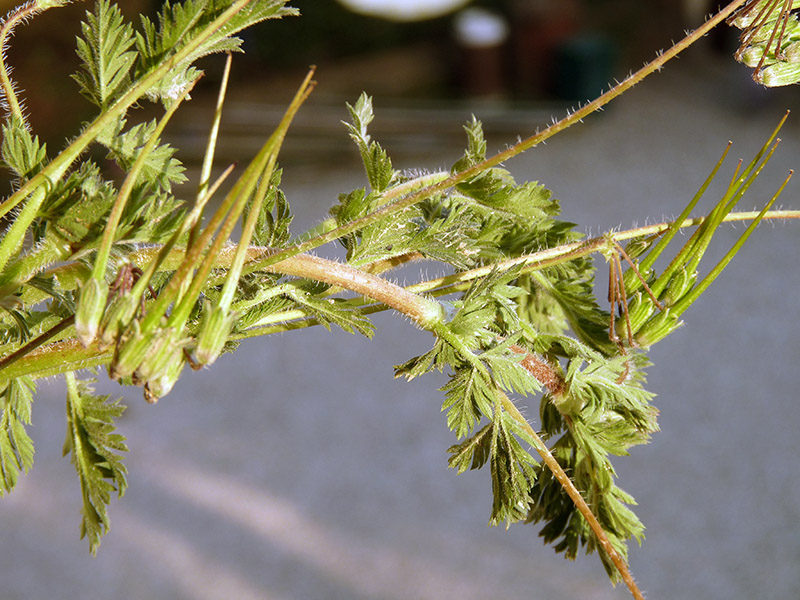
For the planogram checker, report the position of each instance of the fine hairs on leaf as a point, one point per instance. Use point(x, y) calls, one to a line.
point(119, 273)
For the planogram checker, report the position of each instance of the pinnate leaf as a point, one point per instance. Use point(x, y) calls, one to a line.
point(95, 450)
point(16, 446)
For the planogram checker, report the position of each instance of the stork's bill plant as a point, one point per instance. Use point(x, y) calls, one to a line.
point(122, 275)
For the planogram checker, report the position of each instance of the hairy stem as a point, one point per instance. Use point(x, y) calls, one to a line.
point(566, 252)
point(574, 495)
point(19, 15)
point(407, 300)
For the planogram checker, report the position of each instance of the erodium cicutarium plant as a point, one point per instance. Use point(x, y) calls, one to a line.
point(119, 276)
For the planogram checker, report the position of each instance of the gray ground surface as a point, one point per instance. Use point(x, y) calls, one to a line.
point(299, 469)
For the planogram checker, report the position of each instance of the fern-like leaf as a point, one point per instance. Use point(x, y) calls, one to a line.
point(178, 23)
point(272, 229)
point(328, 312)
point(377, 163)
point(466, 401)
point(95, 450)
point(16, 446)
point(107, 53)
point(513, 472)
point(124, 146)
point(21, 152)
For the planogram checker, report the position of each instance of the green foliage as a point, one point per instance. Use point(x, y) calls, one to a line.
point(125, 146)
point(179, 23)
point(16, 446)
point(495, 191)
point(95, 452)
point(328, 311)
point(380, 173)
point(274, 217)
point(21, 152)
point(97, 270)
point(106, 51)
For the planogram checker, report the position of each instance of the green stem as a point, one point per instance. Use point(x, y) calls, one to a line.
point(249, 226)
point(55, 359)
point(70, 276)
point(407, 300)
point(208, 157)
point(110, 229)
point(566, 252)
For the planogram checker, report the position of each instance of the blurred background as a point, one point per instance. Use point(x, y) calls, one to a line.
point(297, 468)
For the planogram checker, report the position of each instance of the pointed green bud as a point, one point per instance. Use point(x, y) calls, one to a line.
point(792, 52)
point(680, 285)
point(160, 386)
point(751, 56)
point(657, 328)
point(91, 305)
point(214, 330)
point(637, 247)
point(640, 309)
point(133, 347)
point(166, 344)
point(632, 282)
point(117, 318)
point(787, 29)
point(781, 73)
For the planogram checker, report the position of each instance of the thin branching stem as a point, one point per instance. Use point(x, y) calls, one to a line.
point(17, 16)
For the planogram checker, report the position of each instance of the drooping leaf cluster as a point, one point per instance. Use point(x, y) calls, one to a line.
point(595, 403)
point(604, 412)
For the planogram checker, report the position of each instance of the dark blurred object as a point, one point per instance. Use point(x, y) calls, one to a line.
point(481, 37)
point(583, 67)
point(326, 31)
point(539, 28)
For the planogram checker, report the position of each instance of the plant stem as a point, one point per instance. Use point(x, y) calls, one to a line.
point(559, 254)
point(20, 14)
point(406, 300)
point(574, 495)
point(36, 342)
